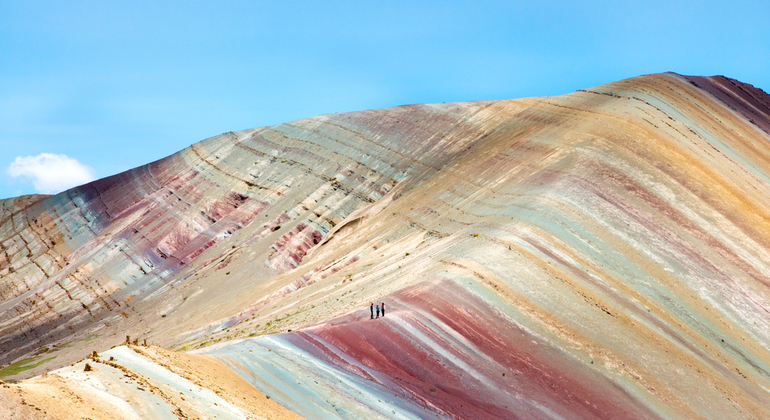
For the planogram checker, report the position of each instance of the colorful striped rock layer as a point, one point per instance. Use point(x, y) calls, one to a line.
point(598, 255)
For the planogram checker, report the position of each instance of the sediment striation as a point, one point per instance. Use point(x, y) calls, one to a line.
point(601, 254)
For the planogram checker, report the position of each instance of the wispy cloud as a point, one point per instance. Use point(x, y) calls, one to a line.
point(51, 173)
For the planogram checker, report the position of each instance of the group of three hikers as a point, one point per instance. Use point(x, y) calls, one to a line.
point(379, 308)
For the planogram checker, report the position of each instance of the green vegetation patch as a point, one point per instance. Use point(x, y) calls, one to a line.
point(22, 365)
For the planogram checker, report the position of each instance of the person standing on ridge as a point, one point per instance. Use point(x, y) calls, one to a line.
point(371, 308)
point(378, 311)
point(383, 309)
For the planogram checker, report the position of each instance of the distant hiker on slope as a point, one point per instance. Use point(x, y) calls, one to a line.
point(378, 311)
point(371, 308)
point(383, 309)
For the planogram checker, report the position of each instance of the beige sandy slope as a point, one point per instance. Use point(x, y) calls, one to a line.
point(109, 391)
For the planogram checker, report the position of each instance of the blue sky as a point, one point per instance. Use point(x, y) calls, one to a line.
point(114, 85)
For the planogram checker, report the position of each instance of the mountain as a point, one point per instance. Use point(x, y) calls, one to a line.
point(601, 254)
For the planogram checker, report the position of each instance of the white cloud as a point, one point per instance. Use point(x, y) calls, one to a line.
point(51, 173)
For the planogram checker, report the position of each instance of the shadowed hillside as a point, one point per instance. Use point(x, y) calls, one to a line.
point(602, 254)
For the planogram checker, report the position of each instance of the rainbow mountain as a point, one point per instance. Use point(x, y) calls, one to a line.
point(602, 254)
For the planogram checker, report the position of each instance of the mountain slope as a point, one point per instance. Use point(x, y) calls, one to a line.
point(606, 250)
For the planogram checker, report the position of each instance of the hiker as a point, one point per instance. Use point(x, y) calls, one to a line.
point(371, 308)
point(378, 311)
point(383, 309)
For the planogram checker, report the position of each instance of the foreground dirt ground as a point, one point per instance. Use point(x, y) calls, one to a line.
point(108, 391)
